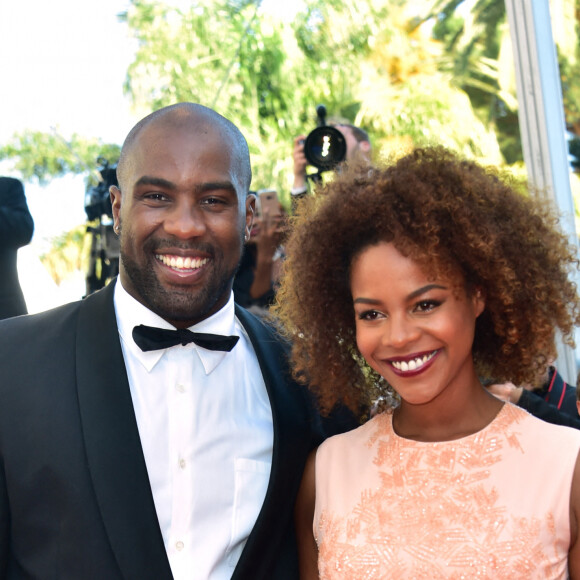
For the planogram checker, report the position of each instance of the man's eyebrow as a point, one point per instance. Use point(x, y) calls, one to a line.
point(156, 181)
point(200, 188)
point(215, 185)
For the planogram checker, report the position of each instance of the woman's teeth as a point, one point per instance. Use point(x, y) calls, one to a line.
point(413, 364)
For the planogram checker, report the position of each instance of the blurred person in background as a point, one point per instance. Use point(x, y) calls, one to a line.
point(551, 399)
point(257, 277)
point(16, 229)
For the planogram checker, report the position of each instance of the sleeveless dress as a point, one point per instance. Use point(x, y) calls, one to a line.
point(494, 504)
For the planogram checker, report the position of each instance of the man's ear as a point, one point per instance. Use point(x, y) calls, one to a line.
point(115, 194)
point(250, 214)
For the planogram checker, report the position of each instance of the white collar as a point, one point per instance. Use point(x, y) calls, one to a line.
point(131, 313)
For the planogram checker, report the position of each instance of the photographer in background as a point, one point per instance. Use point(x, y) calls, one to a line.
point(328, 146)
point(16, 228)
point(358, 146)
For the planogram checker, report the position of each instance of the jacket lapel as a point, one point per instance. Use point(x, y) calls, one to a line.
point(114, 453)
point(293, 440)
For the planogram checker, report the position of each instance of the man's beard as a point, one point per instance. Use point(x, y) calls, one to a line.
point(177, 304)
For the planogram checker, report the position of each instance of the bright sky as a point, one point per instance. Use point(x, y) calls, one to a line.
point(64, 62)
point(63, 65)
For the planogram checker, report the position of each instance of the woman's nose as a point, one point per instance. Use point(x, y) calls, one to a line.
point(401, 330)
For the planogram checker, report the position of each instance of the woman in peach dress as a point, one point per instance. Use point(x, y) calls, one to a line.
point(405, 285)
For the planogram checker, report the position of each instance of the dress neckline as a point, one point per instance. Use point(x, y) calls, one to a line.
point(502, 414)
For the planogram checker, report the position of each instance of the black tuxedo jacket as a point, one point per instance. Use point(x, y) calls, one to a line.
point(75, 500)
point(16, 227)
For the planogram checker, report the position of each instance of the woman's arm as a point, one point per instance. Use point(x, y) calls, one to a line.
point(303, 520)
point(574, 553)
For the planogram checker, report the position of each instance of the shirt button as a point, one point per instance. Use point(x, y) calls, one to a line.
point(179, 546)
point(180, 388)
point(182, 463)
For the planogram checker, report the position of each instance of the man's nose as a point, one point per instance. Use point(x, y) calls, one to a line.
point(185, 220)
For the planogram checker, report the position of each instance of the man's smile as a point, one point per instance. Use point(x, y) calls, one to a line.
point(183, 263)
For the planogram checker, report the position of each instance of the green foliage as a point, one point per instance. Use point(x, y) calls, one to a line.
point(448, 24)
point(570, 75)
point(399, 69)
point(479, 57)
point(475, 57)
point(44, 156)
point(265, 75)
point(369, 61)
point(69, 253)
point(574, 149)
point(364, 60)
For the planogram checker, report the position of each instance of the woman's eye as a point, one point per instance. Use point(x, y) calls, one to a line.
point(427, 305)
point(369, 315)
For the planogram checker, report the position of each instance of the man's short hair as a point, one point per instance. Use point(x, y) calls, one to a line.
point(175, 115)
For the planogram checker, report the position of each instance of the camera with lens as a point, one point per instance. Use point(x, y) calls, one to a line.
point(105, 248)
point(325, 146)
point(97, 198)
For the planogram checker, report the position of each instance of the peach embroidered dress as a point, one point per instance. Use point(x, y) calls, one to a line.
point(494, 504)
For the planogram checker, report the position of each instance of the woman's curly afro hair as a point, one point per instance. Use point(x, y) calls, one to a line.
point(448, 214)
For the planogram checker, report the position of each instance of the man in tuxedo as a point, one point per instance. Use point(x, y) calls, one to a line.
point(130, 452)
point(16, 228)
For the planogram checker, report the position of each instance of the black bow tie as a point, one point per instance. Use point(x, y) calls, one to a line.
point(150, 338)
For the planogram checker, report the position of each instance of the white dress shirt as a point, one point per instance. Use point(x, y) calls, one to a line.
point(206, 429)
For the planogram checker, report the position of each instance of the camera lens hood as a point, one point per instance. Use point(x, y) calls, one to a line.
point(325, 148)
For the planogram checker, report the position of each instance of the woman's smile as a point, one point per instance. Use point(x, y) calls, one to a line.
point(413, 365)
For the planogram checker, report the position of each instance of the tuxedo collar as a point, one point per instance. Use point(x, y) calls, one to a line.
point(114, 455)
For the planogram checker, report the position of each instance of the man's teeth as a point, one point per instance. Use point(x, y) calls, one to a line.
point(181, 263)
point(413, 364)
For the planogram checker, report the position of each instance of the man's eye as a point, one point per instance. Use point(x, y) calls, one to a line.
point(156, 196)
point(212, 201)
